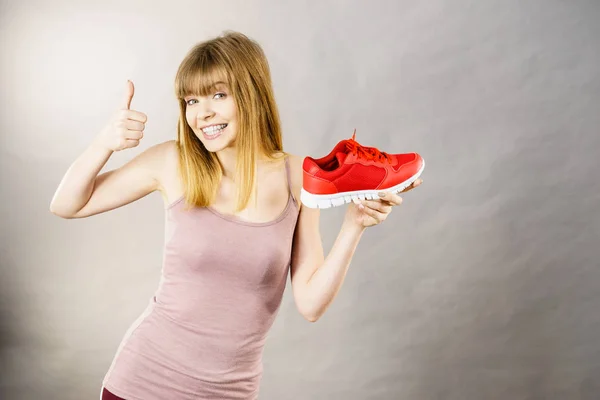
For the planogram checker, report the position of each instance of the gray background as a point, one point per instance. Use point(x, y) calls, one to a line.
point(484, 284)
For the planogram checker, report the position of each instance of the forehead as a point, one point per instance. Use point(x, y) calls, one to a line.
point(202, 82)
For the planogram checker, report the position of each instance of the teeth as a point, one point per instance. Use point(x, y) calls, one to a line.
point(211, 130)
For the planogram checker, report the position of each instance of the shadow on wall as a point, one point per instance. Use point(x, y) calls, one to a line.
point(7, 338)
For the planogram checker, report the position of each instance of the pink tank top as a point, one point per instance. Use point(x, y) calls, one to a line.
point(202, 334)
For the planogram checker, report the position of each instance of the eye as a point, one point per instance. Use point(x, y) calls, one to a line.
point(220, 94)
point(188, 102)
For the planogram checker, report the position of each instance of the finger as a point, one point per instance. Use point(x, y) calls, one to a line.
point(133, 135)
point(133, 115)
point(131, 143)
point(134, 125)
point(374, 214)
point(391, 198)
point(414, 185)
point(378, 205)
point(126, 102)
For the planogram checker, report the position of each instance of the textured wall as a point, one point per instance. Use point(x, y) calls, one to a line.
point(484, 284)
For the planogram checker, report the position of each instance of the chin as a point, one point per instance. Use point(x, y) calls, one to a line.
point(215, 145)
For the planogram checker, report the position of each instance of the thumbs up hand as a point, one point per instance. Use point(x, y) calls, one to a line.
point(126, 127)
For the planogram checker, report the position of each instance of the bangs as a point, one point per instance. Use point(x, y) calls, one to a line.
point(200, 76)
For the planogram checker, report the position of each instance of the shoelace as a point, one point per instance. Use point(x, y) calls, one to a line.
point(368, 153)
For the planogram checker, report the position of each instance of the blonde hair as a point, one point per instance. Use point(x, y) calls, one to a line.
point(240, 63)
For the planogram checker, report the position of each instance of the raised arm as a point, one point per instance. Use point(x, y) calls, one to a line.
point(82, 193)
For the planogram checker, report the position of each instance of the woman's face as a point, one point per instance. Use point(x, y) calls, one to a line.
point(213, 117)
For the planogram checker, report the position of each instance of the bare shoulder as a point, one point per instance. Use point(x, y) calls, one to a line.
point(167, 157)
point(162, 161)
point(169, 152)
point(296, 163)
point(160, 156)
point(296, 174)
point(160, 152)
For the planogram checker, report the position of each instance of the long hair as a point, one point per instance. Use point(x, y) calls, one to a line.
point(240, 62)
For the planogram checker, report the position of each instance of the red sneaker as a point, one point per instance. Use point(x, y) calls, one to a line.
point(352, 171)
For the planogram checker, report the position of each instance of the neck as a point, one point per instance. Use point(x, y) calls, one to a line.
point(228, 157)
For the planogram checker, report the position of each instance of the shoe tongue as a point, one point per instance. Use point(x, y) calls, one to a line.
point(340, 157)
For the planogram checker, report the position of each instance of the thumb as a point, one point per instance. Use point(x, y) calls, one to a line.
point(128, 95)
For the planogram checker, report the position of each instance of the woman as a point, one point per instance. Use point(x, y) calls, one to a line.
point(234, 226)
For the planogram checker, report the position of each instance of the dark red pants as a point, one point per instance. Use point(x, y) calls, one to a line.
point(106, 395)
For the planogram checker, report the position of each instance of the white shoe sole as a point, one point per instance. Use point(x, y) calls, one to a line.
point(339, 199)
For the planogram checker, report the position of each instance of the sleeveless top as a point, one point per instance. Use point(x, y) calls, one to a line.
point(203, 332)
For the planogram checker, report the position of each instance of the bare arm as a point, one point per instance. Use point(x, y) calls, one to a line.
point(316, 279)
point(83, 193)
point(76, 187)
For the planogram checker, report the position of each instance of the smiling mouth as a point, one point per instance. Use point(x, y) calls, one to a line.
point(214, 130)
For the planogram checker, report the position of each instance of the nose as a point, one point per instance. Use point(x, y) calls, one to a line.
point(205, 112)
